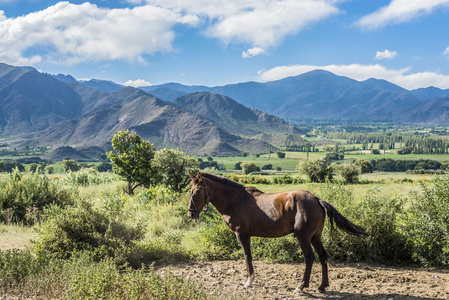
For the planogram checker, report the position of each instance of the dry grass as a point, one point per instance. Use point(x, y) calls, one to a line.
point(16, 237)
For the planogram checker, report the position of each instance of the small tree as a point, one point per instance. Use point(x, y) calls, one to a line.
point(280, 154)
point(69, 165)
point(132, 160)
point(248, 167)
point(349, 173)
point(49, 169)
point(32, 168)
point(238, 166)
point(316, 170)
point(173, 168)
point(363, 165)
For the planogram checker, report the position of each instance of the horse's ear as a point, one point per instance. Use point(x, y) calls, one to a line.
point(192, 176)
point(200, 178)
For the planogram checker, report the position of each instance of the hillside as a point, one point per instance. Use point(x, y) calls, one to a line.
point(433, 111)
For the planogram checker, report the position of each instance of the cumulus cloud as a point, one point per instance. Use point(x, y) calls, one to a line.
point(72, 33)
point(137, 83)
point(400, 11)
point(263, 23)
point(387, 54)
point(252, 52)
point(401, 77)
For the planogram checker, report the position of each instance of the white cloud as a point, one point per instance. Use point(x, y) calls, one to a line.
point(260, 23)
point(387, 54)
point(252, 52)
point(75, 33)
point(446, 52)
point(400, 11)
point(137, 83)
point(401, 77)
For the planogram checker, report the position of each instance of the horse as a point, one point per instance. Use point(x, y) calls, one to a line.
point(250, 212)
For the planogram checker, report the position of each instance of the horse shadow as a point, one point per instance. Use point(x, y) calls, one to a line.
point(345, 295)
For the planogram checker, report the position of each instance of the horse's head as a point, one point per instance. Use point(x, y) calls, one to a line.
point(199, 197)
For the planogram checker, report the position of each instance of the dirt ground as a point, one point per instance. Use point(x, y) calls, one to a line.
point(225, 280)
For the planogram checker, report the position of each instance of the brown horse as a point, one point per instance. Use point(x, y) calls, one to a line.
point(250, 212)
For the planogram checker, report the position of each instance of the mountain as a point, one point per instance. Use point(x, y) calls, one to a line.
point(317, 95)
point(433, 111)
point(429, 93)
point(232, 116)
point(31, 101)
point(102, 85)
point(155, 120)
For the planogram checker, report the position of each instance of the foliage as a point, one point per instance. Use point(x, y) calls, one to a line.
point(249, 167)
point(23, 197)
point(172, 168)
point(316, 170)
point(9, 166)
point(380, 215)
point(280, 154)
point(132, 160)
point(348, 173)
point(428, 223)
point(286, 179)
point(363, 166)
point(70, 165)
point(104, 167)
point(84, 277)
point(89, 176)
point(82, 227)
point(391, 165)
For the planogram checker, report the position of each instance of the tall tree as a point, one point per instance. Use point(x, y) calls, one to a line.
point(132, 160)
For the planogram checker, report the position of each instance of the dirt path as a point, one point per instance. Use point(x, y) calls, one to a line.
point(347, 281)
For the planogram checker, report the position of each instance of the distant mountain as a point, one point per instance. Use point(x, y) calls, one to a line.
point(429, 93)
point(232, 116)
point(47, 110)
point(162, 124)
point(31, 101)
point(102, 85)
point(316, 95)
point(433, 111)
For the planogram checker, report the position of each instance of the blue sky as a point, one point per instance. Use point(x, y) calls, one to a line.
point(218, 42)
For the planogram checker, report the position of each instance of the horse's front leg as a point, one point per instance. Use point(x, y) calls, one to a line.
point(245, 241)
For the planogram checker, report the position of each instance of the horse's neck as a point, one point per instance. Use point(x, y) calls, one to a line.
point(222, 196)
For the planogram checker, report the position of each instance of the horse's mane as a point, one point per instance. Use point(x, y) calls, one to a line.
point(229, 182)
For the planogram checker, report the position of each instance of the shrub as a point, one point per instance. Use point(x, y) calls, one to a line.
point(85, 228)
point(380, 215)
point(316, 170)
point(23, 197)
point(428, 224)
point(83, 277)
point(348, 173)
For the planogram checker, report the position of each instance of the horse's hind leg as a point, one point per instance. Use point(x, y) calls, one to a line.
point(306, 248)
point(318, 245)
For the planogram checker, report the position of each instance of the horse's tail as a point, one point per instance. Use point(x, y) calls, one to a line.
point(341, 222)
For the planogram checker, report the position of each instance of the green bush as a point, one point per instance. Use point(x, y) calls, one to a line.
point(102, 230)
point(23, 197)
point(89, 176)
point(379, 215)
point(84, 277)
point(428, 223)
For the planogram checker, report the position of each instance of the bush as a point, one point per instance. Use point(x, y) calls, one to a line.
point(428, 224)
point(83, 277)
point(316, 170)
point(348, 173)
point(89, 176)
point(102, 231)
point(379, 215)
point(23, 197)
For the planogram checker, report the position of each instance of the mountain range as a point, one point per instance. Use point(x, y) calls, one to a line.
point(57, 110)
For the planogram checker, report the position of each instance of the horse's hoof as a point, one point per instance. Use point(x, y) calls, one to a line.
point(303, 285)
point(322, 290)
point(248, 283)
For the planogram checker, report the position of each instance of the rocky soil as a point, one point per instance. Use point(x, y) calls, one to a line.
point(225, 280)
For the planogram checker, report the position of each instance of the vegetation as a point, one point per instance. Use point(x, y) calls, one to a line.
point(131, 160)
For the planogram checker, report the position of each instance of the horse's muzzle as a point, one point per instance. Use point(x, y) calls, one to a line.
point(193, 215)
